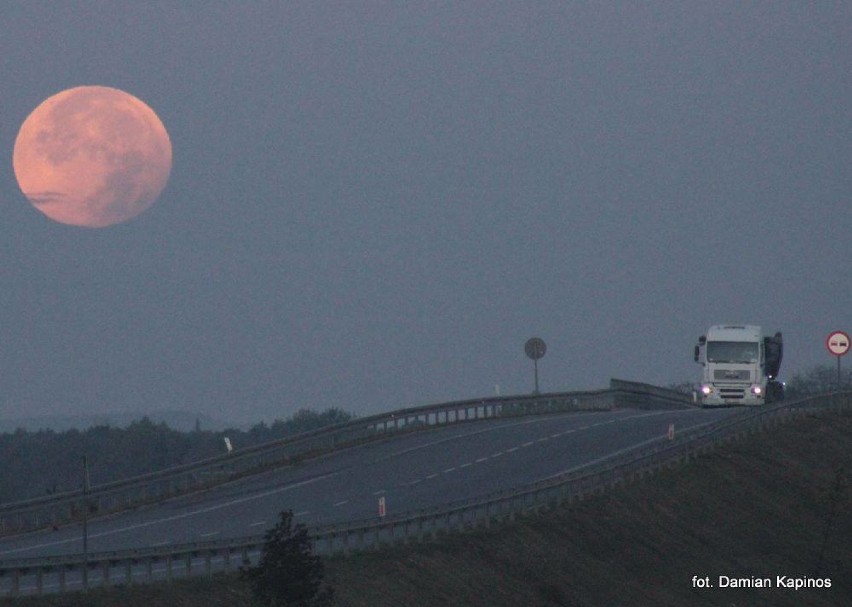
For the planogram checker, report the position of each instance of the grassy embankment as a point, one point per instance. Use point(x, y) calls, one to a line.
point(759, 508)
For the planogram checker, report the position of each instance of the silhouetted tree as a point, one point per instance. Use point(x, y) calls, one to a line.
point(288, 574)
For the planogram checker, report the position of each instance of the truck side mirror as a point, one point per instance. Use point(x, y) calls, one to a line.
point(696, 354)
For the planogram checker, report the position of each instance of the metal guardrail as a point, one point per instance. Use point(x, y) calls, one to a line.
point(64, 508)
point(67, 572)
point(74, 571)
point(571, 485)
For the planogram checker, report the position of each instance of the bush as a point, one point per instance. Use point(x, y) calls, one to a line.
point(288, 574)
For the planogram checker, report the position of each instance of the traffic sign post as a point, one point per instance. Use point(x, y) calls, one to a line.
point(837, 344)
point(535, 348)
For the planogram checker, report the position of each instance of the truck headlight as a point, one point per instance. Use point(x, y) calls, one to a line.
point(756, 390)
point(706, 389)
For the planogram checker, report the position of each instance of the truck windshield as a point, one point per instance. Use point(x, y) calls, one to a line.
point(732, 352)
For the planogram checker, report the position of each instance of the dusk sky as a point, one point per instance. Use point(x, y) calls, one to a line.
point(375, 204)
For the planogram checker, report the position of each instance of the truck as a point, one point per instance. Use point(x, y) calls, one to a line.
point(740, 366)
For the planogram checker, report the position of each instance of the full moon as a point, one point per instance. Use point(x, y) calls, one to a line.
point(92, 156)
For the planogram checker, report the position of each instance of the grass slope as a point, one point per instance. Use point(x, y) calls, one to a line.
point(757, 508)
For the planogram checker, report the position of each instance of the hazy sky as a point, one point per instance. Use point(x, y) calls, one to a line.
point(375, 204)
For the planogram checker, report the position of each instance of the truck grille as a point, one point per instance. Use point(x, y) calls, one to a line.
point(739, 374)
point(738, 393)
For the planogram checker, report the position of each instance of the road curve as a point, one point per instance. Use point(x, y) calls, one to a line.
point(411, 472)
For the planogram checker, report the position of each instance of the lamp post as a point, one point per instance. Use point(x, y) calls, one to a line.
point(85, 523)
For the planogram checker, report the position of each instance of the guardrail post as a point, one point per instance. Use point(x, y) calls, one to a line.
point(62, 578)
point(169, 567)
point(208, 563)
point(40, 581)
point(16, 583)
point(105, 573)
point(188, 562)
point(128, 572)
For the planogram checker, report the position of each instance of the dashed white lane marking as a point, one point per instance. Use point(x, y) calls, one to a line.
point(302, 513)
point(257, 523)
point(513, 449)
point(211, 534)
point(467, 435)
point(379, 492)
point(175, 517)
point(338, 504)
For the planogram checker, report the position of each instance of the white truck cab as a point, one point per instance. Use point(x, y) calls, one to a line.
point(739, 366)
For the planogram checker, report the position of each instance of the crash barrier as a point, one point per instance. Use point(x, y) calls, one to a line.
point(635, 395)
point(64, 508)
point(36, 576)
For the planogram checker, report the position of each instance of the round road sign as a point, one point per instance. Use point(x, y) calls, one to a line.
point(535, 348)
point(837, 343)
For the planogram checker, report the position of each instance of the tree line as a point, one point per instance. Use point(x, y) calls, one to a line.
point(46, 462)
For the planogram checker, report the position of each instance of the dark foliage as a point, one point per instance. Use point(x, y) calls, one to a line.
point(289, 574)
point(819, 380)
point(55, 458)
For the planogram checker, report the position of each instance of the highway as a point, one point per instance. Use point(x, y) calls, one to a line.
point(411, 472)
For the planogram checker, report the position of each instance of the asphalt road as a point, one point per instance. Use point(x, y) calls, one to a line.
point(412, 472)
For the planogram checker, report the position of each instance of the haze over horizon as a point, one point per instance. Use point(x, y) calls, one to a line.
point(375, 205)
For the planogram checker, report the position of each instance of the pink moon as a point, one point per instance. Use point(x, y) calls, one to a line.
point(92, 156)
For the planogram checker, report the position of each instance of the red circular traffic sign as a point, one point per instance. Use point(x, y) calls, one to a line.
point(837, 343)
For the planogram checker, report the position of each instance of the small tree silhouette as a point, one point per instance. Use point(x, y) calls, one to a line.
point(288, 574)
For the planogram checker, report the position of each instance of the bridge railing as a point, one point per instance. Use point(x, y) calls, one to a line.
point(64, 508)
point(571, 485)
point(70, 572)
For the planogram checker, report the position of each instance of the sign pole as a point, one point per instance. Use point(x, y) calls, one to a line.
point(535, 348)
point(535, 366)
point(838, 371)
point(837, 344)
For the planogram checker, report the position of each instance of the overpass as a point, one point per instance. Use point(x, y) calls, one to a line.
point(436, 470)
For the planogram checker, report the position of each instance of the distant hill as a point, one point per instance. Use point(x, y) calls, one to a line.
point(183, 421)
